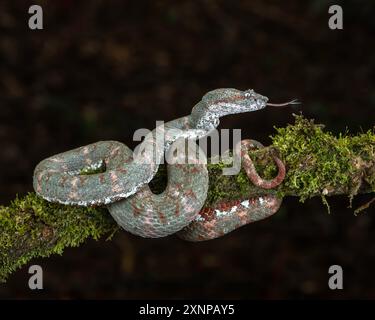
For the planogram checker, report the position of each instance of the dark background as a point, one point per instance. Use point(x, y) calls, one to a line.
point(102, 69)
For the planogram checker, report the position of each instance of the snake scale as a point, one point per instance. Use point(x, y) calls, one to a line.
point(123, 184)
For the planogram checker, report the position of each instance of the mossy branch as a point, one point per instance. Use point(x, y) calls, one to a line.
point(318, 164)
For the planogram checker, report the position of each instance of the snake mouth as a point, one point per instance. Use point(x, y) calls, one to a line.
point(285, 104)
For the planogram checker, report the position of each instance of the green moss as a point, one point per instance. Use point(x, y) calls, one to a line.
point(319, 162)
point(32, 227)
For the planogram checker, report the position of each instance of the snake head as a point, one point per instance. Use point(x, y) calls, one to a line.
point(254, 101)
point(221, 102)
point(230, 101)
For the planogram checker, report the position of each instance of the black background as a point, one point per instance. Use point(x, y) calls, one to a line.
point(99, 70)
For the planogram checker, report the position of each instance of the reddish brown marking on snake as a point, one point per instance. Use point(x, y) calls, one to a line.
point(63, 180)
point(178, 186)
point(73, 194)
point(248, 165)
point(231, 100)
point(195, 170)
point(115, 152)
point(207, 214)
point(190, 193)
point(274, 205)
point(114, 177)
point(177, 211)
point(101, 178)
point(39, 178)
point(162, 218)
point(201, 238)
point(226, 205)
point(243, 217)
point(136, 210)
point(122, 170)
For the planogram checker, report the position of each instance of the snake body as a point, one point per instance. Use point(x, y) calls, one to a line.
point(123, 186)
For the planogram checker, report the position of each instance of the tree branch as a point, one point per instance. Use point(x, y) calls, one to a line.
point(318, 164)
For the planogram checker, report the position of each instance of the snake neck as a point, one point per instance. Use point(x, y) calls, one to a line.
point(202, 117)
point(207, 116)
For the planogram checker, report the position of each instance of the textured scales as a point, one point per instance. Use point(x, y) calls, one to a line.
point(123, 186)
point(158, 215)
point(224, 217)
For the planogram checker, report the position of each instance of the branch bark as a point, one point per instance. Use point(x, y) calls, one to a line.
point(318, 164)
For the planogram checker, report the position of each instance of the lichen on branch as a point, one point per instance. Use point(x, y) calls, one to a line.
point(317, 162)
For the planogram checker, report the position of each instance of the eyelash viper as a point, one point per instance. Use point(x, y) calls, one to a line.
point(123, 186)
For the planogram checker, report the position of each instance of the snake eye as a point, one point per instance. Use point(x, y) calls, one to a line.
point(249, 93)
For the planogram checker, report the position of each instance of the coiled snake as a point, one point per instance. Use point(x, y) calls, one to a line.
point(123, 186)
